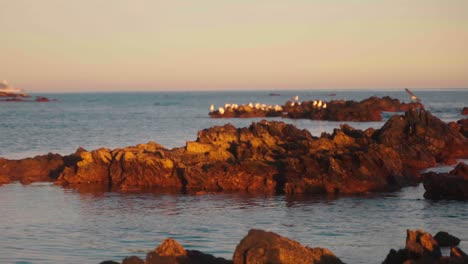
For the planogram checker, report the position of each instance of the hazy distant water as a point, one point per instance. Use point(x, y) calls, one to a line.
point(42, 223)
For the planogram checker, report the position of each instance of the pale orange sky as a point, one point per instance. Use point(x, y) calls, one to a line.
point(105, 45)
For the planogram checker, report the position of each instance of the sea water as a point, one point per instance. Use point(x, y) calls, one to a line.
point(42, 223)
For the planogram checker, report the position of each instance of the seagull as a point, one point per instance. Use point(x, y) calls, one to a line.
point(315, 103)
point(296, 98)
point(221, 110)
point(319, 104)
point(212, 108)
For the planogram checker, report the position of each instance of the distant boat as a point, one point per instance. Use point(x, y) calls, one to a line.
point(5, 88)
point(274, 94)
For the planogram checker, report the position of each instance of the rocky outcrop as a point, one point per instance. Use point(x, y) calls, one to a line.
point(266, 247)
point(452, 185)
point(266, 157)
point(421, 247)
point(369, 109)
point(337, 110)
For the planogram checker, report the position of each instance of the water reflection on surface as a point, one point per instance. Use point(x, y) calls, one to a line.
point(42, 223)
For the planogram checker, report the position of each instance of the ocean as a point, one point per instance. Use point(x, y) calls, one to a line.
point(42, 223)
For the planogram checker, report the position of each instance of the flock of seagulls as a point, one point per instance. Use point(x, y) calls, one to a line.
point(258, 106)
point(316, 104)
point(263, 107)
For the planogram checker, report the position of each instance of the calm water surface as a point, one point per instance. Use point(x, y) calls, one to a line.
point(42, 223)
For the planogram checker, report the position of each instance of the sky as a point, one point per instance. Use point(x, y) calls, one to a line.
point(140, 45)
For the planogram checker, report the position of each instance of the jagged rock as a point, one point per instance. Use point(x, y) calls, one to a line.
point(444, 239)
point(452, 185)
point(266, 247)
point(419, 246)
point(171, 252)
point(417, 137)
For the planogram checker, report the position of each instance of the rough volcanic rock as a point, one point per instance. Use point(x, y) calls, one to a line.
point(452, 185)
point(464, 111)
point(444, 239)
point(266, 247)
point(171, 252)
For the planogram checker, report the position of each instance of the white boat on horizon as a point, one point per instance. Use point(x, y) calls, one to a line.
point(6, 88)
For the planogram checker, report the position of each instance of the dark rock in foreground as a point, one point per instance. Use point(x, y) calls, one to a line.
point(452, 185)
point(267, 157)
point(444, 239)
point(421, 247)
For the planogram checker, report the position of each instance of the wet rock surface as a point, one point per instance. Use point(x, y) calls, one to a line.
point(266, 157)
point(452, 185)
